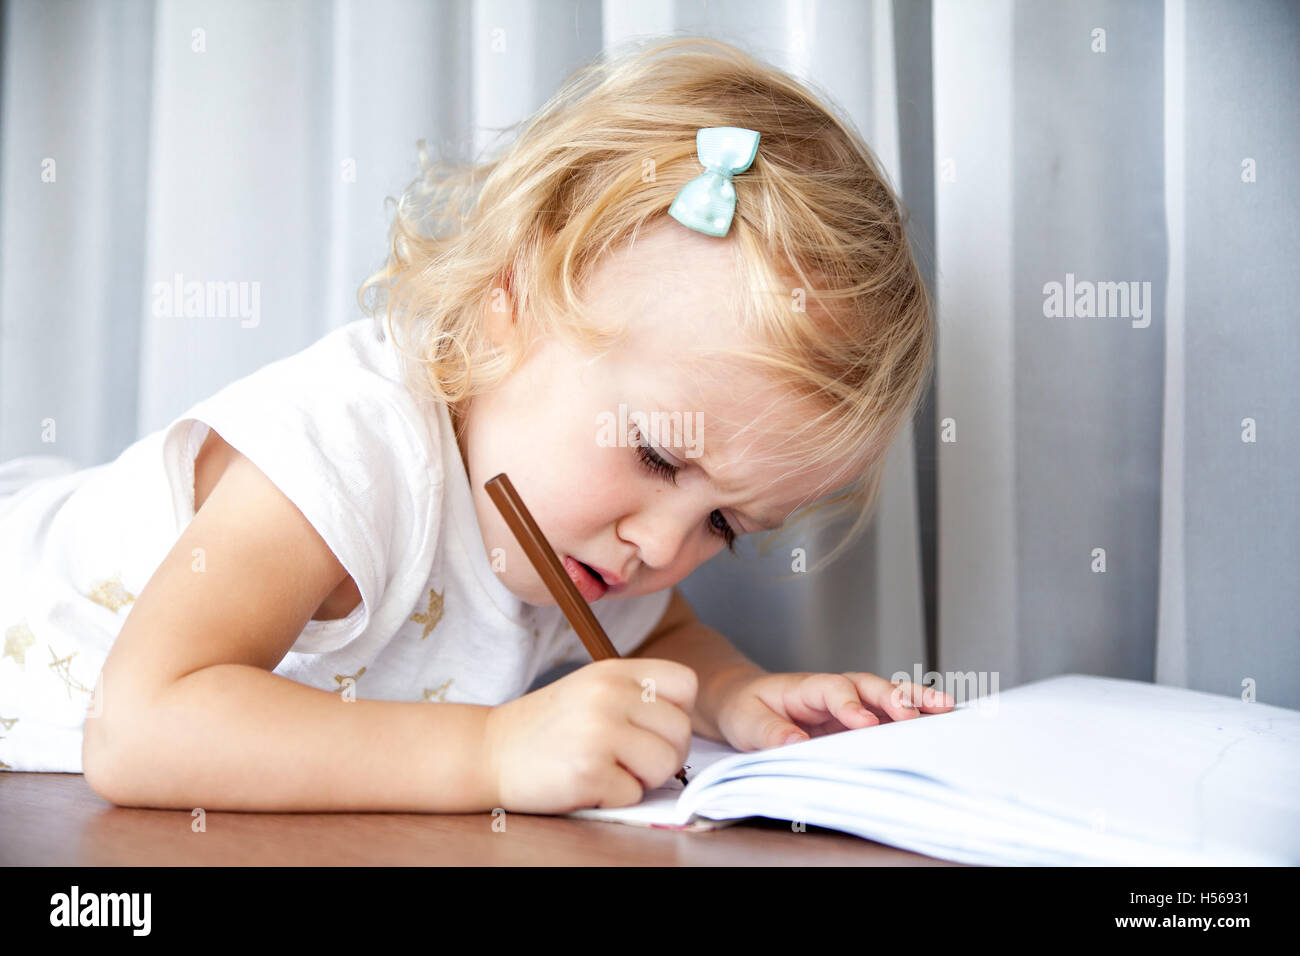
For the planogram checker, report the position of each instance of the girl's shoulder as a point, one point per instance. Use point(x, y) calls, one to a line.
point(344, 392)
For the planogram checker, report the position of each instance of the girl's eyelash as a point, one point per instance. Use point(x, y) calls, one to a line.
point(663, 469)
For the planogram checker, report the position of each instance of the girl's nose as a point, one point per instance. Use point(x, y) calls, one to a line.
point(661, 537)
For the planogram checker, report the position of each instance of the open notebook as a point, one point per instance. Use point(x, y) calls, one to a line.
point(1068, 770)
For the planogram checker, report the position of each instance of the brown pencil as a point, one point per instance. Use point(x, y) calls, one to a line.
point(552, 573)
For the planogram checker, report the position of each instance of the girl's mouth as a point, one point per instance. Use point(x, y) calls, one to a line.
point(590, 585)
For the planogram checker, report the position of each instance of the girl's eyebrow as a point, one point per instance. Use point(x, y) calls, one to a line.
point(765, 523)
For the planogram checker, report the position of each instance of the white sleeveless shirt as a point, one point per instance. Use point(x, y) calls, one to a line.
point(379, 476)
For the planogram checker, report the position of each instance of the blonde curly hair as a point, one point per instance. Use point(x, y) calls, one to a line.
point(836, 296)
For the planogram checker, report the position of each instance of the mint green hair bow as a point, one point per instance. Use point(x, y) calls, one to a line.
point(708, 202)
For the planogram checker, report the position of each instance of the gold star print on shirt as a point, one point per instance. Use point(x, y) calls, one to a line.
point(438, 693)
point(18, 638)
point(342, 680)
point(62, 666)
point(432, 616)
point(111, 594)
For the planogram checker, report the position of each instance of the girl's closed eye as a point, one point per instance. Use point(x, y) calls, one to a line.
point(656, 465)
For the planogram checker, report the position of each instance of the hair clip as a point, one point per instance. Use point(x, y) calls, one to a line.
point(708, 202)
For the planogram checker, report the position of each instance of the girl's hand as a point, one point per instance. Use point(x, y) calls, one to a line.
point(593, 738)
point(770, 710)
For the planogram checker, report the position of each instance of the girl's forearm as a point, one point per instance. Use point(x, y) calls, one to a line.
point(236, 737)
point(713, 658)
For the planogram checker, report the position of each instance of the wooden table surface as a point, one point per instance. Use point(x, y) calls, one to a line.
point(55, 819)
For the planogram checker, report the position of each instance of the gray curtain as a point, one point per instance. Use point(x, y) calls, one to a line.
point(1108, 494)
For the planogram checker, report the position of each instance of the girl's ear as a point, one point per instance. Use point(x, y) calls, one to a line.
point(501, 311)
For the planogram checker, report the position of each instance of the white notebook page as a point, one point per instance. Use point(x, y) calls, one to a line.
point(1071, 765)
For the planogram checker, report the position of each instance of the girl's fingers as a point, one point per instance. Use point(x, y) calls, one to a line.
point(891, 701)
point(901, 700)
point(935, 701)
point(833, 695)
point(823, 703)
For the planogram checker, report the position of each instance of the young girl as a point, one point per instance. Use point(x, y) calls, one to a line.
point(299, 596)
